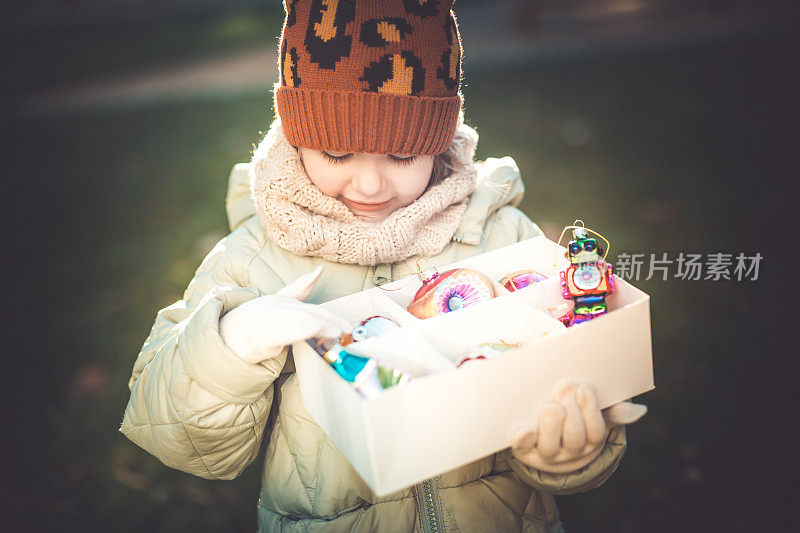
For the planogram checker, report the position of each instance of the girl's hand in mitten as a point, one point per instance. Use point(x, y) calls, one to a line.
point(259, 329)
point(570, 431)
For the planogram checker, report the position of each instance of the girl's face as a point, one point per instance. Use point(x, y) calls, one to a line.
point(372, 185)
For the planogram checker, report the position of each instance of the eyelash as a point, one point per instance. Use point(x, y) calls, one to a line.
point(343, 158)
point(336, 159)
point(402, 160)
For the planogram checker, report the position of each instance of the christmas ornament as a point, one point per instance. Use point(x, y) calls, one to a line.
point(449, 291)
point(389, 377)
point(371, 327)
point(374, 380)
point(521, 279)
point(588, 279)
point(346, 364)
point(487, 350)
point(367, 376)
point(566, 318)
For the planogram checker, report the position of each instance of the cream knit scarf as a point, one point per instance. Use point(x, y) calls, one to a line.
point(300, 218)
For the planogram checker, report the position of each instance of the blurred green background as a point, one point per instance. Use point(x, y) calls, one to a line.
point(668, 126)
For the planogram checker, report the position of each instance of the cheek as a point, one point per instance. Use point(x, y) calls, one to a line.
point(327, 178)
point(411, 183)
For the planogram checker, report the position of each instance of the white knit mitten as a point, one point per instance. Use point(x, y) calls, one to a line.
point(259, 329)
point(570, 430)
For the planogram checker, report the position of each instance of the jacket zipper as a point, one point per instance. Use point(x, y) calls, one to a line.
point(430, 510)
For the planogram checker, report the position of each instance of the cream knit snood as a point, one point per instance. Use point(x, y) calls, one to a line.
point(300, 218)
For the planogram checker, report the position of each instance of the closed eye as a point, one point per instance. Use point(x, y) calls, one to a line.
point(336, 158)
point(402, 160)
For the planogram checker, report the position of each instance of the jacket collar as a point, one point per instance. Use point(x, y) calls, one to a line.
point(499, 185)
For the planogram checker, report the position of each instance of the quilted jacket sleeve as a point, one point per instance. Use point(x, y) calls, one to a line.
point(194, 404)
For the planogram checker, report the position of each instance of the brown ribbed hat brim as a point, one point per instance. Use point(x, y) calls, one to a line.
point(367, 122)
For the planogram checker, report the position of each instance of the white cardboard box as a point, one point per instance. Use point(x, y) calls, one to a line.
point(449, 417)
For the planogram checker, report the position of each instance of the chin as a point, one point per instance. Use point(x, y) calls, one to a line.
point(371, 217)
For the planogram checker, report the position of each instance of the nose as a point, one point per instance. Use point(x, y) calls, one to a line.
point(368, 180)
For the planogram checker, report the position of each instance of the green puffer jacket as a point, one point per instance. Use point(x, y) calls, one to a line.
point(200, 409)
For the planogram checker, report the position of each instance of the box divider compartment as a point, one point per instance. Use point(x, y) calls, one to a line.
point(405, 348)
point(537, 253)
point(362, 305)
point(503, 319)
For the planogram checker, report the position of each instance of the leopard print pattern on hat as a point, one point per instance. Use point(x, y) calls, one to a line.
point(383, 46)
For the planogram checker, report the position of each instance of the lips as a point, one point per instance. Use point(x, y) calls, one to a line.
point(366, 206)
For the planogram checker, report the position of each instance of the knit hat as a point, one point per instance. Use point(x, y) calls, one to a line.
point(377, 76)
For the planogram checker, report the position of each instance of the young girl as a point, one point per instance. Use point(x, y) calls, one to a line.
point(367, 168)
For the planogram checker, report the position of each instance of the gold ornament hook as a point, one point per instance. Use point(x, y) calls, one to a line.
point(418, 272)
point(576, 226)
